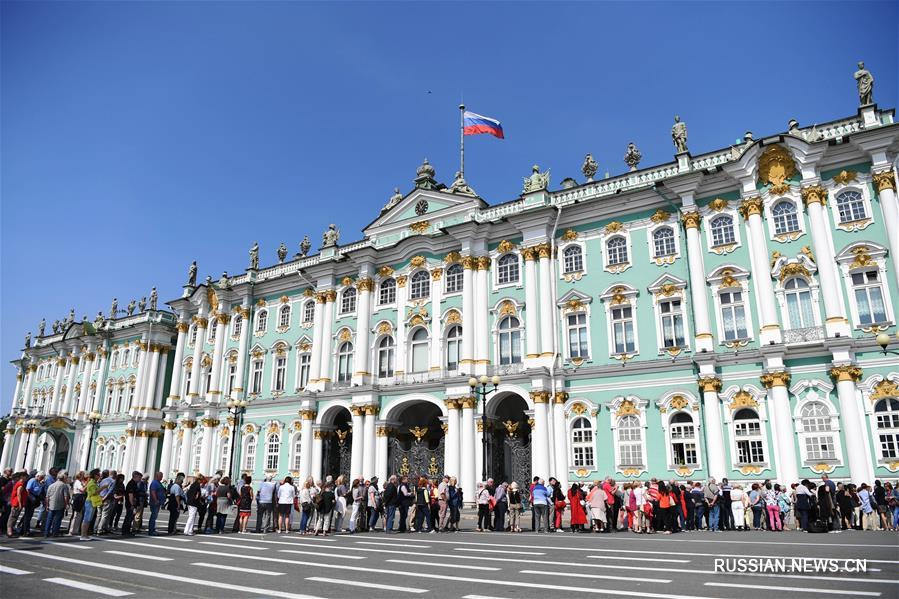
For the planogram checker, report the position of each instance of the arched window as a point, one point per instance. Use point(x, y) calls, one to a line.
point(454, 278)
point(453, 347)
point(577, 335)
point(572, 259)
point(348, 300)
point(296, 450)
point(345, 362)
point(196, 453)
point(420, 285)
point(110, 456)
point(191, 340)
point(132, 386)
point(851, 206)
point(509, 341)
point(272, 451)
point(507, 269)
point(386, 355)
point(419, 350)
point(309, 311)
point(817, 432)
point(225, 453)
point(630, 441)
point(733, 315)
point(231, 375)
point(748, 433)
point(284, 317)
point(127, 353)
point(582, 443)
point(261, 321)
point(210, 333)
point(616, 249)
point(672, 316)
point(785, 218)
point(114, 362)
point(134, 359)
point(683, 440)
point(887, 413)
point(256, 376)
point(387, 291)
point(279, 377)
point(236, 325)
point(249, 453)
point(100, 457)
point(305, 366)
point(663, 242)
point(799, 303)
point(869, 297)
point(723, 231)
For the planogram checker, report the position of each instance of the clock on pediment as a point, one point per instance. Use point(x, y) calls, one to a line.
point(421, 207)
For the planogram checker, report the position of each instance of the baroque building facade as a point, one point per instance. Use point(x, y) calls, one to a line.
point(712, 316)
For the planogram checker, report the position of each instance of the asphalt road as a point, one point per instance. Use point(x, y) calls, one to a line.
point(464, 565)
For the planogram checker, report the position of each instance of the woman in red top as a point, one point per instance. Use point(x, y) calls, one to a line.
point(665, 502)
point(578, 513)
point(16, 502)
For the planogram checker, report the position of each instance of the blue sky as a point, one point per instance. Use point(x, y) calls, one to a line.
point(137, 137)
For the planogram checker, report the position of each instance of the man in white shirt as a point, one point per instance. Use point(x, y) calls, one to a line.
point(264, 505)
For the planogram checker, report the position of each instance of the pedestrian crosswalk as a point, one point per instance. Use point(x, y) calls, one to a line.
point(92, 588)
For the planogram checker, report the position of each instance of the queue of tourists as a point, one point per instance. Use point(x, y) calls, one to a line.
point(98, 503)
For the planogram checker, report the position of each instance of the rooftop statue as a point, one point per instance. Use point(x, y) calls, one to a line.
point(537, 181)
point(98, 321)
point(679, 135)
point(395, 199)
point(282, 253)
point(589, 167)
point(192, 274)
point(56, 326)
point(71, 318)
point(305, 246)
point(633, 156)
point(142, 305)
point(460, 185)
point(330, 237)
point(113, 308)
point(865, 81)
point(154, 298)
point(254, 256)
point(28, 339)
point(224, 283)
point(41, 326)
point(130, 309)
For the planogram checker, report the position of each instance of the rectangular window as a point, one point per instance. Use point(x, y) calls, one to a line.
point(684, 454)
point(889, 446)
point(280, 373)
point(869, 297)
point(232, 376)
point(583, 457)
point(623, 330)
point(820, 448)
point(733, 315)
point(631, 454)
point(672, 323)
point(577, 335)
point(750, 452)
point(305, 364)
point(256, 377)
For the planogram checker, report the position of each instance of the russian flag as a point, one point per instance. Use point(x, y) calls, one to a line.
point(474, 124)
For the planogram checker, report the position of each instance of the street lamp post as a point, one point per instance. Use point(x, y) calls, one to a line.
point(94, 418)
point(236, 407)
point(483, 392)
point(883, 340)
point(30, 426)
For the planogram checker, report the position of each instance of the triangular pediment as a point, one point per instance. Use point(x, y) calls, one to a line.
point(421, 205)
point(575, 296)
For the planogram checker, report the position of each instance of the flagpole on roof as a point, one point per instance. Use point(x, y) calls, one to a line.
point(462, 140)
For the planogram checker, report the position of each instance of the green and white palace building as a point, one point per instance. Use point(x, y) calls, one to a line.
point(717, 315)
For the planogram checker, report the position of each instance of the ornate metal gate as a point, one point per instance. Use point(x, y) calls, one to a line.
point(338, 454)
point(509, 446)
point(419, 458)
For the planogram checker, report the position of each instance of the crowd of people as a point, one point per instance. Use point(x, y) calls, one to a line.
point(104, 503)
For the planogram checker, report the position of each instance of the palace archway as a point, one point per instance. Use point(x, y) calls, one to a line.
point(417, 445)
point(337, 443)
point(508, 439)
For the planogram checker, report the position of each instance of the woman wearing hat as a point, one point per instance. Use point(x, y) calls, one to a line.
point(514, 508)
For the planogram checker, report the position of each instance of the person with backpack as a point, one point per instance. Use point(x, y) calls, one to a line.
point(195, 501)
point(404, 499)
point(244, 503)
point(483, 500)
point(175, 503)
point(287, 493)
point(374, 504)
point(454, 492)
point(422, 505)
point(803, 503)
point(389, 501)
point(92, 504)
point(156, 499)
point(223, 500)
point(325, 509)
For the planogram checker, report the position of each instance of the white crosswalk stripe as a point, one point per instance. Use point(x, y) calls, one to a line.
point(140, 555)
point(237, 569)
point(367, 585)
point(761, 587)
point(84, 586)
point(13, 571)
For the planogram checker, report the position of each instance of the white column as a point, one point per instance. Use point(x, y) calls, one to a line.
point(19, 378)
point(358, 446)
point(540, 436)
point(363, 330)
point(221, 332)
point(141, 384)
point(139, 461)
point(56, 402)
point(324, 376)
point(69, 403)
point(101, 384)
point(751, 209)
point(546, 303)
point(152, 375)
point(482, 330)
point(702, 327)
point(193, 392)
point(317, 336)
point(851, 417)
point(401, 295)
point(29, 384)
point(317, 453)
point(85, 383)
point(238, 391)
point(21, 436)
point(815, 198)
point(784, 435)
point(560, 437)
point(175, 386)
point(451, 446)
point(466, 363)
point(479, 450)
point(150, 465)
point(8, 440)
point(467, 475)
point(156, 399)
point(381, 438)
point(187, 443)
point(307, 417)
point(710, 386)
point(33, 449)
point(532, 311)
point(368, 452)
point(209, 424)
point(130, 446)
point(436, 324)
point(168, 437)
point(885, 184)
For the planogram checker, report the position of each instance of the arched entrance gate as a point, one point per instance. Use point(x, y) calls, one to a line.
point(508, 440)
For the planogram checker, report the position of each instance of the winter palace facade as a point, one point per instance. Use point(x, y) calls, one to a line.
point(712, 316)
